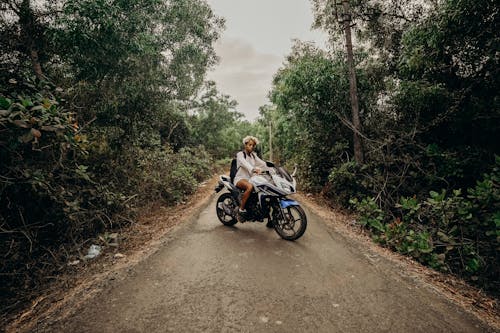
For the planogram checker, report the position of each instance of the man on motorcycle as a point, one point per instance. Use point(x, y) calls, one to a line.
point(247, 163)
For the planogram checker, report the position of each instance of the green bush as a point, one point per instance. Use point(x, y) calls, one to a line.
point(60, 186)
point(344, 183)
point(169, 176)
point(48, 198)
point(446, 231)
point(370, 215)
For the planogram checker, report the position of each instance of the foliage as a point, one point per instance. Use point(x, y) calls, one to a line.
point(171, 176)
point(23, 38)
point(371, 215)
point(109, 131)
point(455, 49)
point(216, 125)
point(428, 89)
point(343, 183)
point(312, 108)
point(47, 195)
point(379, 25)
point(450, 232)
point(138, 73)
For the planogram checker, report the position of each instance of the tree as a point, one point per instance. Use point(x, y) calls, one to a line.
point(455, 51)
point(312, 107)
point(214, 122)
point(341, 13)
point(353, 89)
point(94, 100)
point(24, 25)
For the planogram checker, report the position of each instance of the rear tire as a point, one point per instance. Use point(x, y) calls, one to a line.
point(227, 201)
point(290, 223)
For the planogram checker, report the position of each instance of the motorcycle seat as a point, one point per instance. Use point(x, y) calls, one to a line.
point(227, 179)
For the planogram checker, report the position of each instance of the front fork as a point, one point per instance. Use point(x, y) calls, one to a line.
point(279, 211)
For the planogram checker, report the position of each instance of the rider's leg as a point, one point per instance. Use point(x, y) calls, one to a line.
point(247, 186)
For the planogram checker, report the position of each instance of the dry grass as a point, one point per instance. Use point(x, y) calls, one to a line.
point(144, 237)
point(137, 241)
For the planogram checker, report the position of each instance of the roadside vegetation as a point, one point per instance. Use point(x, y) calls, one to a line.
point(105, 109)
point(427, 83)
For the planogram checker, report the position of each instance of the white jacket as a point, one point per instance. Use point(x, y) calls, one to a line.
point(246, 164)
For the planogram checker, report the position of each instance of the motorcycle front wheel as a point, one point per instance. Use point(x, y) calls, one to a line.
point(224, 207)
point(290, 223)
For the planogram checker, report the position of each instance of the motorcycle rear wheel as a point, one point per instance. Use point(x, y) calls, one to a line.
point(228, 202)
point(290, 223)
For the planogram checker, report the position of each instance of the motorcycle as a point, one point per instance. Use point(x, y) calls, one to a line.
point(268, 202)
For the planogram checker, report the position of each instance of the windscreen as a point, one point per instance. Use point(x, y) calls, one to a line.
point(283, 173)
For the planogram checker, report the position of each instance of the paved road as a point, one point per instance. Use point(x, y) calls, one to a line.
point(212, 278)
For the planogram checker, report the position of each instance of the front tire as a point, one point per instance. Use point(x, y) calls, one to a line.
point(225, 206)
point(290, 223)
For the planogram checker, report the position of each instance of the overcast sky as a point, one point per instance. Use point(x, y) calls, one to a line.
point(257, 38)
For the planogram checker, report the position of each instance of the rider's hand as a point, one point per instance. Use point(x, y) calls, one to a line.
point(257, 171)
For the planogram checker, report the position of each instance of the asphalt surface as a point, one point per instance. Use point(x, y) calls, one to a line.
point(211, 278)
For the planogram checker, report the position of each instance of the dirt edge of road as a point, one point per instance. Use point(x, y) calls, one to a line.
point(467, 297)
point(152, 230)
point(137, 242)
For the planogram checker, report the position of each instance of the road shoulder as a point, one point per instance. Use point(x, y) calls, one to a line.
point(138, 241)
point(458, 292)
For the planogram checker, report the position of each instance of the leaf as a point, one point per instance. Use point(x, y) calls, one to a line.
point(49, 128)
point(443, 236)
point(473, 265)
point(433, 194)
point(36, 133)
point(26, 102)
point(21, 123)
point(5, 103)
point(426, 250)
point(26, 137)
point(377, 225)
point(38, 107)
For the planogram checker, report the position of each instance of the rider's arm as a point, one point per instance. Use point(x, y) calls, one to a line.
point(260, 163)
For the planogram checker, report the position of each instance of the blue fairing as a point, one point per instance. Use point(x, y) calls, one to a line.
point(288, 203)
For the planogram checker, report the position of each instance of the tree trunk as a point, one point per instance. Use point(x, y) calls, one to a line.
point(270, 141)
point(353, 90)
point(28, 23)
point(37, 67)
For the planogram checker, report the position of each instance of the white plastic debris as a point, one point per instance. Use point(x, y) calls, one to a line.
point(94, 251)
point(118, 255)
point(74, 262)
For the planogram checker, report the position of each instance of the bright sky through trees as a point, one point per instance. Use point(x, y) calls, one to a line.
point(258, 36)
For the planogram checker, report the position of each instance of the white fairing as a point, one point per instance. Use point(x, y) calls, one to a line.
point(284, 184)
point(273, 184)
